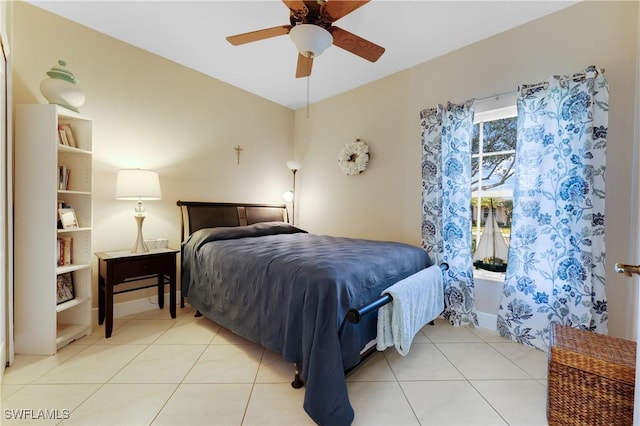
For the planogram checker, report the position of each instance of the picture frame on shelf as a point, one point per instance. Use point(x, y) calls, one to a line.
point(64, 288)
point(68, 218)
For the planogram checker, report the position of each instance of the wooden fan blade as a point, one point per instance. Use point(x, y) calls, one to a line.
point(356, 45)
point(296, 6)
point(258, 35)
point(336, 9)
point(304, 66)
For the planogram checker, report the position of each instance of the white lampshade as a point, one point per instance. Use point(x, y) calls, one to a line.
point(138, 184)
point(310, 40)
point(293, 165)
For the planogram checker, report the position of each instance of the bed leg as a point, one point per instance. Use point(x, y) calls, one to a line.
point(297, 381)
point(198, 314)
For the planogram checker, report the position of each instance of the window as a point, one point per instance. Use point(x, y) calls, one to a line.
point(492, 171)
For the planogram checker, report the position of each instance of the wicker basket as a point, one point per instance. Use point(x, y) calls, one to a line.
point(591, 378)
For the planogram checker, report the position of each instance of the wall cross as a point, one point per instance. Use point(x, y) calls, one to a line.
point(238, 149)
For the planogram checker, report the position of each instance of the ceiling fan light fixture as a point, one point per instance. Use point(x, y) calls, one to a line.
point(310, 40)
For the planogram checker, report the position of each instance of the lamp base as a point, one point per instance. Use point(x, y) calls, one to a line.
point(139, 246)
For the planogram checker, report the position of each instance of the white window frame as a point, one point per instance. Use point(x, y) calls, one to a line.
point(484, 116)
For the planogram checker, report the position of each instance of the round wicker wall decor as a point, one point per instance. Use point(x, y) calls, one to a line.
point(354, 157)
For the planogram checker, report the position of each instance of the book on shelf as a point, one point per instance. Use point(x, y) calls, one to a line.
point(60, 251)
point(63, 177)
point(62, 136)
point(68, 133)
point(68, 249)
point(65, 251)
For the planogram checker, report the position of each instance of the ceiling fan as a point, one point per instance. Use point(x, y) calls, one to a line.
point(311, 29)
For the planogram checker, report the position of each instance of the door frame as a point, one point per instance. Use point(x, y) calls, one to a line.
point(6, 192)
point(633, 331)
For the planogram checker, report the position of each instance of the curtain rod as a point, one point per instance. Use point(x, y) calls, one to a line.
point(496, 97)
point(535, 86)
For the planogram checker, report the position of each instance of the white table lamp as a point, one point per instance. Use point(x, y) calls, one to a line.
point(139, 185)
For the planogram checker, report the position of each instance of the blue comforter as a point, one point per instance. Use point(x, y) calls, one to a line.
point(289, 291)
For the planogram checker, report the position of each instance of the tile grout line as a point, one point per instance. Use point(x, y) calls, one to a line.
point(466, 379)
point(413, 411)
point(105, 382)
point(186, 374)
point(253, 384)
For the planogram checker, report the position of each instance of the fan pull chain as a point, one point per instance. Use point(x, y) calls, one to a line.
point(308, 78)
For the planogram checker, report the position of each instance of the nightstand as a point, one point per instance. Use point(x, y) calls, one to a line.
point(123, 271)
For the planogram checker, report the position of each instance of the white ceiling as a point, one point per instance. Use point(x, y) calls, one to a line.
point(192, 33)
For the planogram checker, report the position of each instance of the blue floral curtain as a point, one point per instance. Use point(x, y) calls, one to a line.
point(555, 271)
point(446, 203)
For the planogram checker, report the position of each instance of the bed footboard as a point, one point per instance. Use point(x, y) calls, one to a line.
point(354, 316)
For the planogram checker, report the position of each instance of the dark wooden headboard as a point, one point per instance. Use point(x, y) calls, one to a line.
point(196, 215)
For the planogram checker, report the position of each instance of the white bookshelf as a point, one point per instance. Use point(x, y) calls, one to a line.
point(42, 325)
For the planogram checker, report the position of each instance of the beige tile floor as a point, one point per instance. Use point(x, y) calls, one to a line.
point(190, 371)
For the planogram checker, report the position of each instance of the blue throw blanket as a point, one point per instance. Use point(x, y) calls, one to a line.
point(289, 291)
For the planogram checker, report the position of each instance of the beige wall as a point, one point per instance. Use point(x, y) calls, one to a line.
point(385, 201)
point(151, 113)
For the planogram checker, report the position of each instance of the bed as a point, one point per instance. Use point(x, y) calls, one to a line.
point(246, 268)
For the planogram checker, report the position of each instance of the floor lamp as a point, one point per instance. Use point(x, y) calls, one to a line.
point(290, 196)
